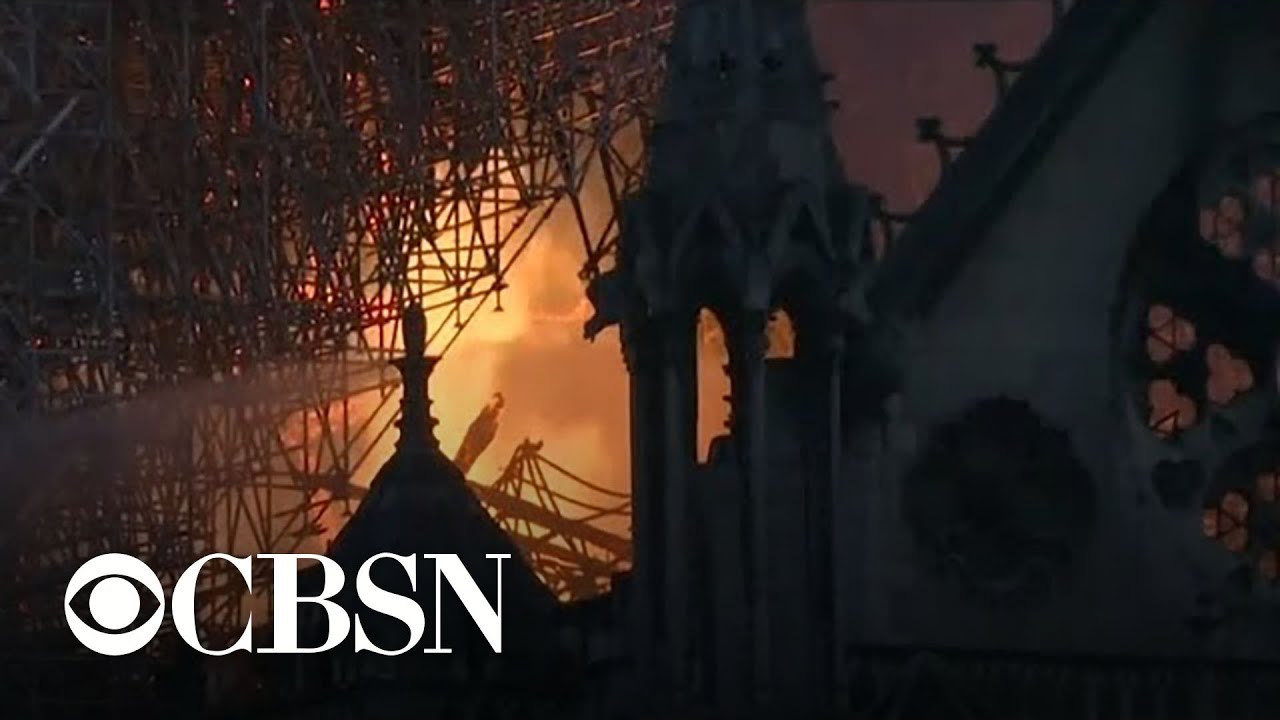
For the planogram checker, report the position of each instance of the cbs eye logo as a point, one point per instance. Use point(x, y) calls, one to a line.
point(114, 604)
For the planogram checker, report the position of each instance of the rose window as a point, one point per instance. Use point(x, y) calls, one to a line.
point(1203, 327)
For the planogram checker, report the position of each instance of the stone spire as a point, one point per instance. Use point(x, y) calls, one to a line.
point(417, 427)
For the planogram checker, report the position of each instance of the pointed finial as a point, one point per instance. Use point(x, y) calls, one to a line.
point(417, 428)
point(415, 331)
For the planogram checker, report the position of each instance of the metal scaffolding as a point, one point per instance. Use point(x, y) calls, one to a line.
point(210, 213)
point(575, 533)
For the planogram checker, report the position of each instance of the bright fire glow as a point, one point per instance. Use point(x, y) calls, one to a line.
point(559, 388)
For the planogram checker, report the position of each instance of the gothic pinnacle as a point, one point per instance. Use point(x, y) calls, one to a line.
point(417, 427)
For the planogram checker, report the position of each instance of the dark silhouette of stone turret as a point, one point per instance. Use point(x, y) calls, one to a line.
point(744, 211)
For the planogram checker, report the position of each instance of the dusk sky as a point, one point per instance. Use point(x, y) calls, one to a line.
point(896, 60)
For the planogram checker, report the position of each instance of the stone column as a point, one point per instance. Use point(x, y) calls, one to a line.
point(679, 416)
point(643, 356)
point(748, 343)
point(825, 354)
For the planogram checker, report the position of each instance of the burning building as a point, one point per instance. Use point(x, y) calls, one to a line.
point(1014, 456)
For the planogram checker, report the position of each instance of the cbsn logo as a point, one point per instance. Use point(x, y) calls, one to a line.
point(114, 603)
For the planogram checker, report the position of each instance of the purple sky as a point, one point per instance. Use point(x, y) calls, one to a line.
point(896, 60)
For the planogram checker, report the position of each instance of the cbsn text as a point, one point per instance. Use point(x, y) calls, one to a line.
point(114, 603)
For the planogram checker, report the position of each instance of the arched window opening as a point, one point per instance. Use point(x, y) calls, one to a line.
point(713, 382)
point(782, 336)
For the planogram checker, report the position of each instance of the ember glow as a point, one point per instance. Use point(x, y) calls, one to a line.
point(558, 388)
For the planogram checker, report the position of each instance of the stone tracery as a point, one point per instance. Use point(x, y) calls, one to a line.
point(1209, 286)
